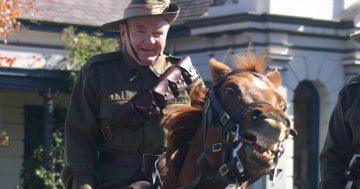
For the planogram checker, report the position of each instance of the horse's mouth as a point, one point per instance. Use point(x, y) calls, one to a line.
point(263, 153)
point(264, 148)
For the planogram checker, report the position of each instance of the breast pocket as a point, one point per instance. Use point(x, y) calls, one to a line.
point(109, 106)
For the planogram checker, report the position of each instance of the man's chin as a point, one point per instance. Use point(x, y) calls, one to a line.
point(147, 61)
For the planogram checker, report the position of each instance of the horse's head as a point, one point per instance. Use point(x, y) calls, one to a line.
point(251, 108)
point(235, 128)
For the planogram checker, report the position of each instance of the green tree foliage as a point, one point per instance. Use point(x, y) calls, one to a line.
point(35, 174)
point(51, 176)
point(82, 46)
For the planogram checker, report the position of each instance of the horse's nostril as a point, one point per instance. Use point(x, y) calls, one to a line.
point(255, 113)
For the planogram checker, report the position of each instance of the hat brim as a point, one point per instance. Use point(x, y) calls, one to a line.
point(170, 15)
point(355, 36)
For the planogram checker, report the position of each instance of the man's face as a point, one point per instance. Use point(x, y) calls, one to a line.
point(148, 37)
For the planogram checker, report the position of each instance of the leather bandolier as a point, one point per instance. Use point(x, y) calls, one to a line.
point(150, 103)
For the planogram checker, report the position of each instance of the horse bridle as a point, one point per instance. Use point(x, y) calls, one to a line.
point(231, 125)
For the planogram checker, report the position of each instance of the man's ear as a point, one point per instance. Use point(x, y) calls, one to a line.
point(122, 30)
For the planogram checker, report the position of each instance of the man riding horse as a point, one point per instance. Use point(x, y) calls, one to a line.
point(112, 127)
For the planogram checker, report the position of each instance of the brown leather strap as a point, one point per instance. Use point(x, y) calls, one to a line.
point(188, 71)
point(125, 116)
point(145, 104)
point(148, 104)
point(175, 80)
point(144, 161)
point(169, 86)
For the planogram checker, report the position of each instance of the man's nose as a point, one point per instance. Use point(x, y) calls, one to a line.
point(150, 39)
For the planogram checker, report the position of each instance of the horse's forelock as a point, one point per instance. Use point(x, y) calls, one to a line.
point(249, 61)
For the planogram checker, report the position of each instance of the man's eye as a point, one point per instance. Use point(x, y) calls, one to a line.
point(158, 33)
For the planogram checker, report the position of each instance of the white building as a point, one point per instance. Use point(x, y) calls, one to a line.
point(308, 40)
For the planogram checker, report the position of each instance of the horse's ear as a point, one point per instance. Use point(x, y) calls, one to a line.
point(275, 77)
point(218, 69)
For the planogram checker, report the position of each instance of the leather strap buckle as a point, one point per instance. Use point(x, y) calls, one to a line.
point(224, 119)
point(217, 147)
point(223, 170)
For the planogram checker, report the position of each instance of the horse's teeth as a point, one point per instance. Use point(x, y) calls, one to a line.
point(263, 144)
point(266, 145)
point(275, 147)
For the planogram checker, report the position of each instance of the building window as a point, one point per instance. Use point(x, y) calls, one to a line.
point(33, 138)
point(306, 150)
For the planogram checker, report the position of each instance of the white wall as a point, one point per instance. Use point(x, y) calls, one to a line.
point(348, 3)
point(30, 57)
point(317, 9)
point(11, 109)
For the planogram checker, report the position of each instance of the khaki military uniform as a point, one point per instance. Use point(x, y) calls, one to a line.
point(343, 138)
point(104, 84)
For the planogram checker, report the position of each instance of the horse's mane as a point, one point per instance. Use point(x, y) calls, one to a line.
point(183, 120)
point(181, 123)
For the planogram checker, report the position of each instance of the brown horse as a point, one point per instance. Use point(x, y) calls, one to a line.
point(232, 133)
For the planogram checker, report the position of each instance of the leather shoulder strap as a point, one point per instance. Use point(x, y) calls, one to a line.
point(173, 59)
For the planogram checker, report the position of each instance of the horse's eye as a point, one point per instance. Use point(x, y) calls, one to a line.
point(283, 108)
point(228, 90)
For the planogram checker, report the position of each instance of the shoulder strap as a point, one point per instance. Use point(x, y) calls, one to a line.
point(173, 59)
point(104, 57)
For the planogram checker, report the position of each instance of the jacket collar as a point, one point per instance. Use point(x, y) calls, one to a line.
point(133, 70)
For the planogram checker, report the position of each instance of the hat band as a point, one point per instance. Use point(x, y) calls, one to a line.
point(154, 9)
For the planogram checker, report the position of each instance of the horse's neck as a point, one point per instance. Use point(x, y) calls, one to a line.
point(190, 170)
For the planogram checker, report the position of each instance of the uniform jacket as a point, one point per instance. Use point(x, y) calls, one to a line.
point(343, 137)
point(104, 84)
